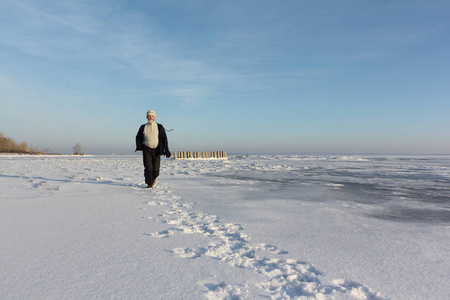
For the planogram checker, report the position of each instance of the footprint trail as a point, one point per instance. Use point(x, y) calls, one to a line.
point(285, 278)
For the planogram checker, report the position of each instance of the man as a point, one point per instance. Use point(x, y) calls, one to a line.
point(151, 139)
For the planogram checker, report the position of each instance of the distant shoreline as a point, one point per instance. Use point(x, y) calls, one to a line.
point(28, 153)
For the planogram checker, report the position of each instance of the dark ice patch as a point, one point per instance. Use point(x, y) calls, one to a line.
point(415, 215)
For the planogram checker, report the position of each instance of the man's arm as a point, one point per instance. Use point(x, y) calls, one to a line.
point(139, 138)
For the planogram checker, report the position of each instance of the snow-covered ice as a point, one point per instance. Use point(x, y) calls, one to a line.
point(248, 227)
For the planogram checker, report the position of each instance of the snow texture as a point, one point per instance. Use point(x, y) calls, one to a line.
point(249, 227)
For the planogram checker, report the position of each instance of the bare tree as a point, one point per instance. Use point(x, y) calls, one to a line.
point(23, 148)
point(7, 144)
point(78, 149)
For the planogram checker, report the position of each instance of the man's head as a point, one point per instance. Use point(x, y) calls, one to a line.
point(151, 115)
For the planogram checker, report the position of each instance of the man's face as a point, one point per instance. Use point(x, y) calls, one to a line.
point(151, 117)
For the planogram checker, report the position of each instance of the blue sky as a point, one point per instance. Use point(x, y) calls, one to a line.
point(300, 76)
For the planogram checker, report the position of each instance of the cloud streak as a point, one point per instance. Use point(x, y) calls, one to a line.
point(51, 17)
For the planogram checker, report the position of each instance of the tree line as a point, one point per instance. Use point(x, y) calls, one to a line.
point(8, 145)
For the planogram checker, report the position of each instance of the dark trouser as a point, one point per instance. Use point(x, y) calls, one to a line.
point(152, 162)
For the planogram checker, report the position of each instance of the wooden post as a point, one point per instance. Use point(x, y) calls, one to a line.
point(199, 154)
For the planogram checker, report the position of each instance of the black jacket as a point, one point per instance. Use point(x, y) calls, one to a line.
point(163, 145)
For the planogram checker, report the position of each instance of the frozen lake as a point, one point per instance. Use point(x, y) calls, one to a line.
point(249, 227)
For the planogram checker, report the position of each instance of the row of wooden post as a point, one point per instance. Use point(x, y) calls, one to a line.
point(199, 155)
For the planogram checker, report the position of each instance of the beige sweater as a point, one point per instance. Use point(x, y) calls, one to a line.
point(151, 135)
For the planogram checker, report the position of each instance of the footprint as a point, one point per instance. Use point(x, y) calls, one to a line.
point(221, 290)
point(162, 233)
point(189, 253)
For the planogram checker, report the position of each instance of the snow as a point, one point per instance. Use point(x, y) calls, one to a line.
point(246, 227)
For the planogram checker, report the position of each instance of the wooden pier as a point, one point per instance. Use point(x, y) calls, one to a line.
point(200, 155)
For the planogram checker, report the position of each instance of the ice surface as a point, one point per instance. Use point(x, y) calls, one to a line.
point(249, 227)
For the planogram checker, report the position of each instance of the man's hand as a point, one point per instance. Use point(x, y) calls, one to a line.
point(168, 154)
